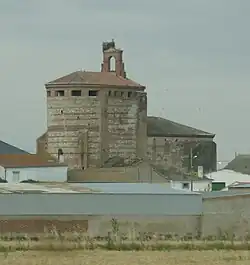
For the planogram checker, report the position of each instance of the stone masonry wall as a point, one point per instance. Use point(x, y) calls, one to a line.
point(228, 214)
point(68, 117)
point(91, 129)
point(174, 152)
point(124, 122)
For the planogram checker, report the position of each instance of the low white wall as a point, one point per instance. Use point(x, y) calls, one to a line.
point(2, 172)
point(58, 174)
point(200, 185)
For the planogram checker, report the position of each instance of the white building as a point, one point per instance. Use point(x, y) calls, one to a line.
point(228, 177)
point(204, 184)
point(19, 167)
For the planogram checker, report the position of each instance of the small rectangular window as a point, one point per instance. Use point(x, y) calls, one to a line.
point(60, 93)
point(76, 93)
point(129, 94)
point(48, 93)
point(93, 93)
point(185, 186)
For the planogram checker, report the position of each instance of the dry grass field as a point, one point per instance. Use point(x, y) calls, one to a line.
point(123, 258)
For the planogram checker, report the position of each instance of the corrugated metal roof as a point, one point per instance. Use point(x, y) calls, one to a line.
point(240, 185)
point(109, 188)
point(27, 188)
point(133, 188)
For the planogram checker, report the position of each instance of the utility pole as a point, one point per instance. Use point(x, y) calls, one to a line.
point(191, 158)
point(151, 174)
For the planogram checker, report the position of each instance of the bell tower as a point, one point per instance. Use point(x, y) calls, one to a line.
point(110, 52)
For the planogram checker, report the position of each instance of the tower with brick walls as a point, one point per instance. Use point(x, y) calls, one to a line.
point(93, 116)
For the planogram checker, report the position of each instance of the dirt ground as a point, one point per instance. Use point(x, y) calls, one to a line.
point(124, 258)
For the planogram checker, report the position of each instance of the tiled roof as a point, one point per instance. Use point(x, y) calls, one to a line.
point(6, 148)
point(94, 78)
point(26, 160)
point(160, 127)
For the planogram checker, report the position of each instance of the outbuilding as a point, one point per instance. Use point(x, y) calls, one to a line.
point(22, 167)
point(147, 207)
point(141, 207)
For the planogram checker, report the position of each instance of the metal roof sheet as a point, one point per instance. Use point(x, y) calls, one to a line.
point(241, 185)
point(133, 188)
point(27, 188)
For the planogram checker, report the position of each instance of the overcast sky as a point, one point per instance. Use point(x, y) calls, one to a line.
point(193, 56)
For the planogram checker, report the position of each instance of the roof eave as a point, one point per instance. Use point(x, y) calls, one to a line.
point(210, 136)
point(33, 166)
point(79, 84)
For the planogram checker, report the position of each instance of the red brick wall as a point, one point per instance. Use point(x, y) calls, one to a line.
point(41, 225)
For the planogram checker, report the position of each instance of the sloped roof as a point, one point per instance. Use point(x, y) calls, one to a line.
point(114, 175)
point(92, 175)
point(6, 148)
point(118, 173)
point(241, 164)
point(94, 78)
point(228, 176)
point(160, 127)
point(240, 185)
point(170, 174)
point(26, 160)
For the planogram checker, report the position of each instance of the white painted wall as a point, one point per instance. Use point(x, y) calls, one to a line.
point(200, 185)
point(58, 174)
point(2, 171)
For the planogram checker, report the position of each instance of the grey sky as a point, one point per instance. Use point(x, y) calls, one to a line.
point(193, 56)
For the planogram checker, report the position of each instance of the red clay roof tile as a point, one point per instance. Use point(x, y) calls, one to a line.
point(95, 78)
point(26, 160)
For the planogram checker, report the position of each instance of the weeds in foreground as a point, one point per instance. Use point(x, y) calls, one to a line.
point(122, 246)
point(115, 240)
